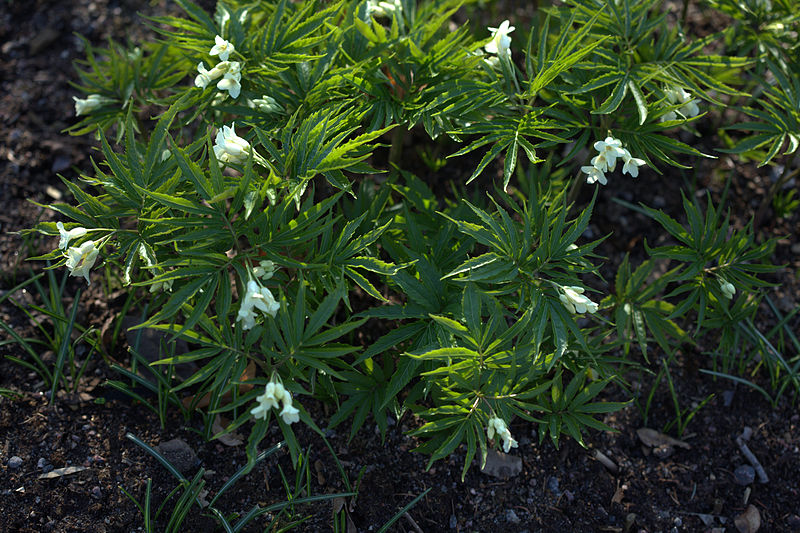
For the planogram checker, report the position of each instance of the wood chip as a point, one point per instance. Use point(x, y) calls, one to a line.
point(606, 461)
point(740, 441)
point(58, 472)
point(653, 438)
point(228, 439)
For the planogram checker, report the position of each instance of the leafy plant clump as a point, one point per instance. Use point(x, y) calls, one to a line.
point(252, 216)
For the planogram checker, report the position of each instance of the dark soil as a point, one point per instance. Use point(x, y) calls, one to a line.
point(565, 489)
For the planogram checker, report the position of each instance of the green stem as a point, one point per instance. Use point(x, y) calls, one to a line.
point(396, 150)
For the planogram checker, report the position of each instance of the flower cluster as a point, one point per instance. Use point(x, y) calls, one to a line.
point(575, 302)
point(230, 71)
point(264, 270)
point(274, 393)
point(727, 288)
point(80, 259)
point(606, 160)
point(497, 425)
point(256, 297)
point(266, 104)
point(688, 109)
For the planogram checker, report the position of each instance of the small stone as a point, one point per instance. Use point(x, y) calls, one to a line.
point(179, 454)
point(453, 521)
point(41, 463)
point(727, 398)
point(552, 485)
point(502, 465)
point(97, 493)
point(744, 475)
point(15, 462)
point(512, 517)
point(60, 163)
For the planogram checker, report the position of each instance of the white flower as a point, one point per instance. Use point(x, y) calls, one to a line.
point(66, 236)
point(727, 288)
point(501, 42)
point(669, 115)
point(90, 103)
point(290, 414)
point(676, 95)
point(273, 394)
point(631, 165)
point(229, 147)
point(246, 316)
point(256, 297)
point(203, 78)
point(594, 174)
point(80, 259)
point(223, 68)
point(496, 424)
point(600, 162)
point(262, 298)
point(611, 149)
point(231, 80)
point(492, 61)
point(222, 48)
point(690, 109)
point(575, 302)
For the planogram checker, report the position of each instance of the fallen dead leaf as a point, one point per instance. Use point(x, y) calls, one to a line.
point(619, 493)
point(749, 521)
point(228, 439)
point(58, 472)
point(338, 504)
point(653, 438)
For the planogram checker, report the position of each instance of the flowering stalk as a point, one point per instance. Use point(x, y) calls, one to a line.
point(257, 297)
point(606, 160)
point(498, 425)
point(274, 395)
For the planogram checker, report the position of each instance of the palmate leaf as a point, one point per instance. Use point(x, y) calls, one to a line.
point(560, 58)
point(508, 134)
point(321, 144)
point(779, 124)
